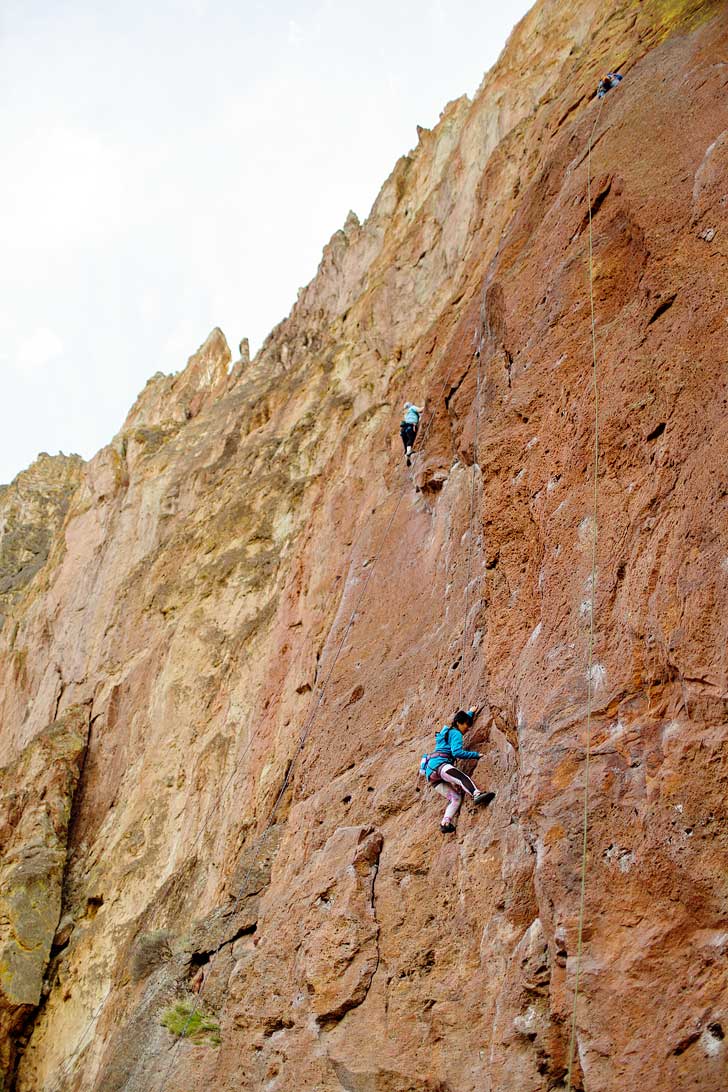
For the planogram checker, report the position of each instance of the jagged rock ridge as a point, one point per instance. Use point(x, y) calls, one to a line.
point(213, 554)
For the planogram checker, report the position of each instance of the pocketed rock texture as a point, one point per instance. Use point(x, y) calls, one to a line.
point(265, 617)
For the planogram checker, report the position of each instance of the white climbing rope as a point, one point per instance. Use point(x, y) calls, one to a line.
point(595, 541)
point(470, 531)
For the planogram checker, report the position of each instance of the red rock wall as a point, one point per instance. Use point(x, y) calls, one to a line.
point(219, 548)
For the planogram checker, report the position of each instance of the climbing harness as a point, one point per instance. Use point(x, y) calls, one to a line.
point(447, 755)
point(425, 761)
point(595, 536)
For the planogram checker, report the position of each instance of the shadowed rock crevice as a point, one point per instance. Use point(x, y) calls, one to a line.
point(662, 308)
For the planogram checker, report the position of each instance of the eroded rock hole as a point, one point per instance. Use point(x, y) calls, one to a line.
point(663, 307)
point(657, 431)
point(274, 1026)
point(93, 904)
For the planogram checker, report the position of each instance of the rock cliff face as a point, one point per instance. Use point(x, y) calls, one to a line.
point(32, 510)
point(36, 793)
point(263, 617)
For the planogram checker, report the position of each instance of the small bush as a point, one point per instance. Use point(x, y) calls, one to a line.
point(186, 1021)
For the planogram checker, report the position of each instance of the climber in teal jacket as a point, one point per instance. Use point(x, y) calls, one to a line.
point(440, 772)
point(408, 428)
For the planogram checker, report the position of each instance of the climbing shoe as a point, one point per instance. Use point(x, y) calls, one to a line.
point(484, 798)
point(409, 461)
point(447, 828)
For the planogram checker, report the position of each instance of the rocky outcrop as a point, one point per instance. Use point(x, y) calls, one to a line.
point(36, 797)
point(32, 510)
point(169, 400)
point(268, 616)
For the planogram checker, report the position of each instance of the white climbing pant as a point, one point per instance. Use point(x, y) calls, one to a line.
point(451, 784)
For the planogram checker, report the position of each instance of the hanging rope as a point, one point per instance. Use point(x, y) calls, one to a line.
point(470, 530)
point(589, 693)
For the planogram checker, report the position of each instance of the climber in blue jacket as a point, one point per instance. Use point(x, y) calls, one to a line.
point(608, 82)
point(408, 427)
point(446, 779)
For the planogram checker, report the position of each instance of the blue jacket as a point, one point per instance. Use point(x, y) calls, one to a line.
point(411, 414)
point(449, 747)
point(610, 80)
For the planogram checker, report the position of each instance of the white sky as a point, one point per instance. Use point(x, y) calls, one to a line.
point(174, 165)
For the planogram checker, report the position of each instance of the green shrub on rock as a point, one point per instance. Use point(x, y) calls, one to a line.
point(185, 1021)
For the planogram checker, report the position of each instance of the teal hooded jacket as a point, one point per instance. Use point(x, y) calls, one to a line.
point(448, 748)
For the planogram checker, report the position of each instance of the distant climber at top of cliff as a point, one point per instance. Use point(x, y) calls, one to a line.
point(445, 778)
point(408, 427)
point(607, 83)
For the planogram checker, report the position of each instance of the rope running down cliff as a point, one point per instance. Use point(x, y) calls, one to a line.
point(472, 510)
point(595, 541)
point(308, 726)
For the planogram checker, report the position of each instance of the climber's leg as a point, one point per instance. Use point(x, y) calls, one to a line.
point(460, 780)
point(408, 433)
point(455, 799)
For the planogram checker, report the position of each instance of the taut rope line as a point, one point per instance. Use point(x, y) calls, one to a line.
point(595, 541)
point(470, 531)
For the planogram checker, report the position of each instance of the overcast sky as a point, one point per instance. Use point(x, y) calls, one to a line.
point(174, 165)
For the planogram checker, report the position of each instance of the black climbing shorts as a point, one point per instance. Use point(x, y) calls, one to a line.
point(408, 433)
